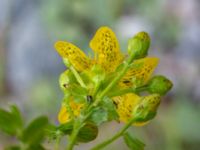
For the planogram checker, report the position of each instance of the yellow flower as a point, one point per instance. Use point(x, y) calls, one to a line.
point(107, 54)
point(125, 106)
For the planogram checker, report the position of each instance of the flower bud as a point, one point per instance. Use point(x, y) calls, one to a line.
point(138, 45)
point(159, 84)
point(147, 108)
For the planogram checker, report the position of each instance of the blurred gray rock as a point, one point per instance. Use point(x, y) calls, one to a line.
point(31, 55)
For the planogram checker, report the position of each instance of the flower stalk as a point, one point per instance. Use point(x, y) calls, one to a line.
point(116, 79)
point(115, 137)
point(78, 124)
point(78, 78)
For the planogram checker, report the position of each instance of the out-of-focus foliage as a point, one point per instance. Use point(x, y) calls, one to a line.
point(28, 137)
point(11, 121)
point(74, 20)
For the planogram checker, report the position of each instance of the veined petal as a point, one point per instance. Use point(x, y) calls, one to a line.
point(76, 57)
point(125, 105)
point(140, 72)
point(64, 114)
point(106, 46)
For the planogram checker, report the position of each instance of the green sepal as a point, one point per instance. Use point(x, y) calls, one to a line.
point(78, 90)
point(87, 133)
point(65, 79)
point(34, 133)
point(55, 132)
point(110, 108)
point(133, 143)
point(79, 93)
point(51, 132)
point(65, 128)
point(85, 76)
point(94, 75)
point(147, 108)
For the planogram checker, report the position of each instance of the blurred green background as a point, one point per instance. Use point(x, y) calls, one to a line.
point(30, 67)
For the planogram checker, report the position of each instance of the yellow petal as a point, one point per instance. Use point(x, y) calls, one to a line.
point(125, 105)
point(76, 108)
point(140, 72)
point(76, 57)
point(64, 116)
point(106, 47)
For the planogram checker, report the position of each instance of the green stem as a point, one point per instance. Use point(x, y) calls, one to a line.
point(128, 90)
point(96, 89)
point(79, 79)
point(121, 92)
point(76, 128)
point(141, 89)
point(57, 143)
point(114, 82)
point(77, 76)
point(78, 124)
point(115, 137)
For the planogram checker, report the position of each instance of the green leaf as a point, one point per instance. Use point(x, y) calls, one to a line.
point(99, 116)
point(10, 122)
point(105, 112)
point(133, 143)
point(35, 131)
point(110, 108)
point(53, 132)
point(66, 78)
point(88, 133)
point(6, 122)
